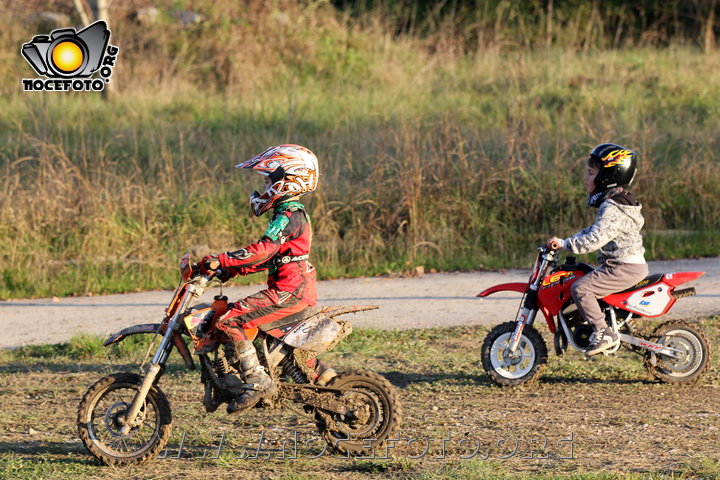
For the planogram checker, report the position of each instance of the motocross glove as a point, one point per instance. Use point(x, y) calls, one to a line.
point(209, 264)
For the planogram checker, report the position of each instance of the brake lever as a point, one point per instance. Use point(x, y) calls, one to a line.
point(218, 274)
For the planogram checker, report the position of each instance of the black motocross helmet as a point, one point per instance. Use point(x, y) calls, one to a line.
point(617, 166)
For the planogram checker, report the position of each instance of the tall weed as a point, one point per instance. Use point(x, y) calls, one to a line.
point(442, 157)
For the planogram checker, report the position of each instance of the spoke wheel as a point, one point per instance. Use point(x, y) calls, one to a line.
point(508, 368)
point(373, 414)
point(100, 420)
point(693, 360)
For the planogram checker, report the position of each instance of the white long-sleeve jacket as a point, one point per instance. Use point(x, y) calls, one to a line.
point(615, 233)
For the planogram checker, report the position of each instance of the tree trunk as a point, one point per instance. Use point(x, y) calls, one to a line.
point(101, 11)
point(80, 8)
point(709, 30)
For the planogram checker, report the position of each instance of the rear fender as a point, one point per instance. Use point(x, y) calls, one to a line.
point(342, 310)
point(316, 334)
point(675, 279)
point(504, 287)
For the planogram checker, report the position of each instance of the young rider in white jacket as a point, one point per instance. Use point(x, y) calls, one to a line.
point(615, 233)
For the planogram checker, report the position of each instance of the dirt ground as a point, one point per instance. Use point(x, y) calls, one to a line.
point(581, 417)
point(430, 300)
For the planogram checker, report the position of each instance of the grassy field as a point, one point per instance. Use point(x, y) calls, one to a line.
point(598, 419)
point(431, 154)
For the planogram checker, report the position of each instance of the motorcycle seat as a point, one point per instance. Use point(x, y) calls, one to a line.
point(649, 280)
point(294, 318)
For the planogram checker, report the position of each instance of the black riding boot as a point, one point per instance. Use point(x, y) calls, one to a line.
point(242, 355)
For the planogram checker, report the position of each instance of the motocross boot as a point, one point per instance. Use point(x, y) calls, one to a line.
point(242, 355)
point(323, 373)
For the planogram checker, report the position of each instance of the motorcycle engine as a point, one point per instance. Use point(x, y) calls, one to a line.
point(580, 329)
point(581, 334)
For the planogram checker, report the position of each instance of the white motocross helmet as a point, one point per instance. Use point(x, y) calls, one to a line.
point(292, 171)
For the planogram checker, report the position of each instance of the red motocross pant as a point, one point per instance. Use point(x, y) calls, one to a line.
point(263, 307)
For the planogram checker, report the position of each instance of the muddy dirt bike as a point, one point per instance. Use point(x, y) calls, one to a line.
point(125, 418)
point(514, 353)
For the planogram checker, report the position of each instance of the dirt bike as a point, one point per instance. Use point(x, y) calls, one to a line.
point(125, 418)
point(514, 353)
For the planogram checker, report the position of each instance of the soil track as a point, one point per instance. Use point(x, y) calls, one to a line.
point(431, 300)
point(581, 417)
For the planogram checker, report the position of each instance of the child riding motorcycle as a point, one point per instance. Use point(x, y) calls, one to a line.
point(616, 234)
point(284, 249)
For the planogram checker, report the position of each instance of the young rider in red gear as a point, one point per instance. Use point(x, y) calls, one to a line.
point(284, 249)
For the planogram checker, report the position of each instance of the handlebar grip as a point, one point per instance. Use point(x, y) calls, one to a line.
point(554, 246)
point(213, 264)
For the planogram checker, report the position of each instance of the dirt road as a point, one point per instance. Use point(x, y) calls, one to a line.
point(439, 299)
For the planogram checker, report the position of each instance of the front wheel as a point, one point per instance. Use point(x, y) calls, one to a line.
point(100, 419)
point(693, 360)
point(373, 414)
point(508, 368)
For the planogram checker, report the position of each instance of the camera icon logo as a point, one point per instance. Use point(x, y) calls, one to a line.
point(68, 54)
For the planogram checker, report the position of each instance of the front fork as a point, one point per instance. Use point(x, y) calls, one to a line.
point(526, 316)
point(139, 399)
point(149, 379)
point(529, 309)
point(161, 356)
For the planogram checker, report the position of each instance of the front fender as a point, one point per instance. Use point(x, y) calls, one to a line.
point(153, 328)
point(504, 287)
point(134, 330)
point(520, 288)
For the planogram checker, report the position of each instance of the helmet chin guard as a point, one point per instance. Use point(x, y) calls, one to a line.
point(292, 171)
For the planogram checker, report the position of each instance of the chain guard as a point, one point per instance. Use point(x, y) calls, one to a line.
point(321, 398)
point(326, 405)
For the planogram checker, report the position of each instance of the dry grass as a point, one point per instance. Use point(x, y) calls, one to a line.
point(435, 155)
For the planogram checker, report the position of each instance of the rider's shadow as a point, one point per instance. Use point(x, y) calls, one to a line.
point(555, 379)
point(402, 379)
point(60, 367)
point(74, 450)
point(53, 367)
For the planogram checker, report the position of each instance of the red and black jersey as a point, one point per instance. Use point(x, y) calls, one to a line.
point(283, 250)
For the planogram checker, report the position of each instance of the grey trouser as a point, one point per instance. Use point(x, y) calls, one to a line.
point(612, 277)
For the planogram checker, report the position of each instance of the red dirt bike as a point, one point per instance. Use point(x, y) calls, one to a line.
point(514, 353)
point(125, 418)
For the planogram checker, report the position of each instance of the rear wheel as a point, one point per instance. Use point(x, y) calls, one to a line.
point(100, 416)
point(373, 414)
point(508, 368)
point(693, 360)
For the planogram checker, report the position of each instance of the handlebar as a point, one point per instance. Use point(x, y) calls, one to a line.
point(214, 271)
point(549, 253)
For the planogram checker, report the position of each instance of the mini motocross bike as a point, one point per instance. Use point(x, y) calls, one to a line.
point(125, 418)
point(514, 352)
